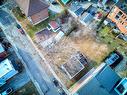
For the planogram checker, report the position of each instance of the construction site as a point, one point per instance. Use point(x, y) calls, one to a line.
point(80, 41)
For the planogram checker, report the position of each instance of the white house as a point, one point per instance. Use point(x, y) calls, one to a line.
point(7, 71)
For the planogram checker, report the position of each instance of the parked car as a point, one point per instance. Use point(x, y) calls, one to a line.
point(7, 91)
point(114, 59)
point(20, 29)
point(56, 83)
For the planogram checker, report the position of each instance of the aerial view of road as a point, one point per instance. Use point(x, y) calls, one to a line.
point(63, 47)
point(33, 62)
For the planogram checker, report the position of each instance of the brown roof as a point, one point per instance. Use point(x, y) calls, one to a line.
point(43, 35)
point(31, 7)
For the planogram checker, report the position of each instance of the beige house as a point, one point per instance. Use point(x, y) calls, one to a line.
point(35, 10)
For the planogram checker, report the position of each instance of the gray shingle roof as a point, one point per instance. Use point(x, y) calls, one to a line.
point(31, 7)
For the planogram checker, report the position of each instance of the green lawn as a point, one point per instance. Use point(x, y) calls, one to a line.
point(123, 73)
point(28, 89)
point(31, 30)
point(18, 14)
point(108, 37)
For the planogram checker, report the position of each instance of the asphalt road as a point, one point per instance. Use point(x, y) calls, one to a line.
point(33, 61)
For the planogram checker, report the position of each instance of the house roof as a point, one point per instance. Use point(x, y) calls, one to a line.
point(87, 18)
point(108, 78)
point(72, 67)
point(102, 84)
point(53, 24)
point(122, 4)
point(75, 64)
point(31, 7)
point(5, 67)
point(43, 35)
point(7, 71)
point(79, 11)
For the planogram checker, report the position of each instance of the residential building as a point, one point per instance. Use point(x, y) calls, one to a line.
point(35, 10)
point(43, 35)
point(7, 71)
point(54, 26)
point(87, 18)
point(118, 15)
point(101, 84)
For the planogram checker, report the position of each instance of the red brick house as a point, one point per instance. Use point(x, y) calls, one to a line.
point(35, 10)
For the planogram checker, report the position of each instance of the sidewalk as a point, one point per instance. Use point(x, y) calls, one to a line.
point(32, 60)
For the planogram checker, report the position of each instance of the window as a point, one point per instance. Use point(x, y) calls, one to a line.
point(122, 23)
point(126, 27)
point(124, 17)
point(119, 13)
point(117, 17)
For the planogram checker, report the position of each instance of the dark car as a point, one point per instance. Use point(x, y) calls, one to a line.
point(20, 29)
point(56, 83)
point(114, 59)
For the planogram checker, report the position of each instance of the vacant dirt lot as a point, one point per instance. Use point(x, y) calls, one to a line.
point(83, 40)
point(86, 42)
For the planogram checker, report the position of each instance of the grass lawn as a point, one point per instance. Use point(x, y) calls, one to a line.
point(123, 73)
point(107, 37)
point(18, 14)
point(30, 29)
point(28, 89)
